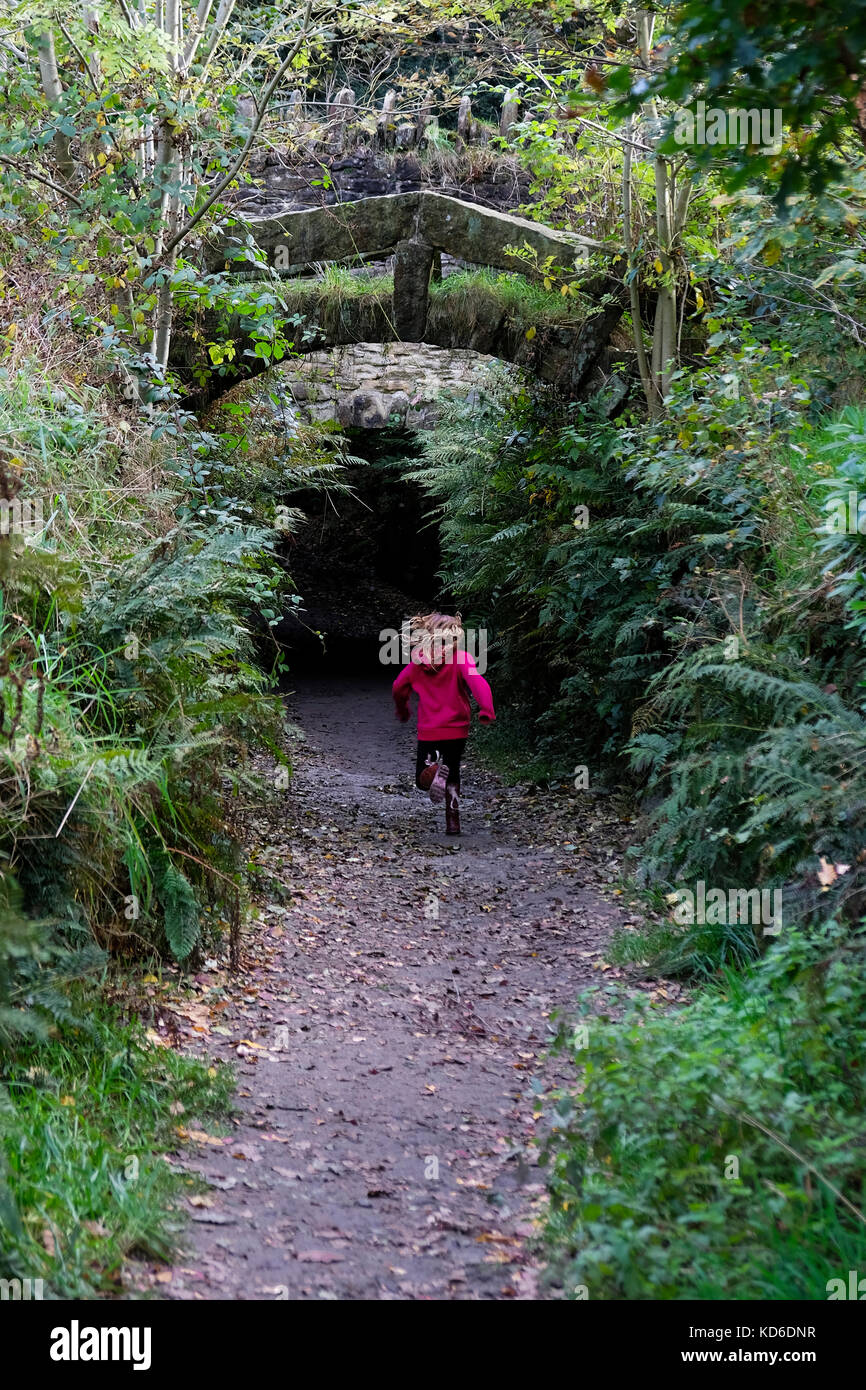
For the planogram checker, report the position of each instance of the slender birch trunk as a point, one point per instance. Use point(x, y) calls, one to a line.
point(646, 378)
point(53, 89)
point(671, 211)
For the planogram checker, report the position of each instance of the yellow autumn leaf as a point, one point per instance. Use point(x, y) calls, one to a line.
point(198, 1136)
point(657, 266)
point(530, 334)
point(699, 299)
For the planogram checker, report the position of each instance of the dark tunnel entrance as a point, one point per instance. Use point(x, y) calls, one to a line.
point(361, 563)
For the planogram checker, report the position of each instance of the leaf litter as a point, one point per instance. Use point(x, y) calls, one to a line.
point(389, 1024)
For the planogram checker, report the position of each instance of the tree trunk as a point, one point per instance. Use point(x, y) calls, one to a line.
point(647, 381)
point(670, 217)
point(665, 333)
point(53, 89)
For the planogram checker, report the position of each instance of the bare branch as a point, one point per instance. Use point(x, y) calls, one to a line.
point(42, 178)
point(16, 52)
point(261, 108)
point(127, 14)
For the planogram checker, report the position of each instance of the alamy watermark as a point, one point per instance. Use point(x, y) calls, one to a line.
point(20, 1289)
point(846, 516)
point(761, 128)
point(420, 646)
point(717, 907)
point(77, 1343)
point(854, 1290)
point(22, 516)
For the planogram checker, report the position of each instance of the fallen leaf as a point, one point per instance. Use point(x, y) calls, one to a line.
point(826, 874)
point(198, 1136)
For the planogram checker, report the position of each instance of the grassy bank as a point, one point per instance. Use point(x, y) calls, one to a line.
point(88, 1116)
point(137, 598)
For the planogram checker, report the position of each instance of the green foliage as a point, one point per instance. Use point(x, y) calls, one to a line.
point(138, 669)
point(179, 906)
point(468, 294)
point(85, 1116)
point(116, 739)
point(660, 589)
point(765, 783)
point(716, 1151)
point(844, 549)
point(36, 971)
point(583, 566)
point(665, 592)
point(748, 56)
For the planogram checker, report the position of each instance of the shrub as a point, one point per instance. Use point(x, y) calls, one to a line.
point(716, 1151)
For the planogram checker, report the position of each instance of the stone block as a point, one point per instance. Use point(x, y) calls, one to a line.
point(412, 263)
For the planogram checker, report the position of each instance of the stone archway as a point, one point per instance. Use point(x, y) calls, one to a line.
point(374, 385)
point(417, 228)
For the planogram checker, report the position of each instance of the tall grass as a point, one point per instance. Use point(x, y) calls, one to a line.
point(468, 293)
point(132, 625)
point(85, 1118)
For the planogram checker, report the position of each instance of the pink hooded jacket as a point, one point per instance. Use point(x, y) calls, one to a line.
point(443, 696)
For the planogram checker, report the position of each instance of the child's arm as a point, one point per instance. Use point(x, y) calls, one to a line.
point(480, 689)
point(401, 690)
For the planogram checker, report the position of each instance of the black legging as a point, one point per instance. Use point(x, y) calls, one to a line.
point(450, 751)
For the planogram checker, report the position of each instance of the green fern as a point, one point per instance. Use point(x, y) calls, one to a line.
point(181, 912)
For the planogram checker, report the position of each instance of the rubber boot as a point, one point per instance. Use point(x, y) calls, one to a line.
point(452, 814)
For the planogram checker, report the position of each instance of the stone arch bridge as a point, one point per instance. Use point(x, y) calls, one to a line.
point(560, 338)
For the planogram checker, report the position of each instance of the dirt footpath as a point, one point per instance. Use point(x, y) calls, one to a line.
point(390, 1022)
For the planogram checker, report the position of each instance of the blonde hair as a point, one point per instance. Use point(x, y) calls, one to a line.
point(433, 637)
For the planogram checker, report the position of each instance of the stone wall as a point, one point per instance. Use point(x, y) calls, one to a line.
point(371, 385)
point(284, 179)
point(341, 122)
point(567, 355)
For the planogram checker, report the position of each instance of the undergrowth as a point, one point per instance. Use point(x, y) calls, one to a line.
point(679, 603)
point(86, 1116)
point(139, 590)
point(716, 1151)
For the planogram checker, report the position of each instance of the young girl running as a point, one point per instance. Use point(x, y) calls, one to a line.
point(442, 674)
